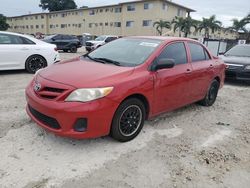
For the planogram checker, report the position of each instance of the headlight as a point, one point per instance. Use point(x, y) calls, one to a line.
point(247, 67)
point(85, 95)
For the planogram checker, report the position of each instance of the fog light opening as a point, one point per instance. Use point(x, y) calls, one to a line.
point(81, 125)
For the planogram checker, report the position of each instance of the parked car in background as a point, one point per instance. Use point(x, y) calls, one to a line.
point(112, 90)
point(64, 42)
point(99, 41)
point(238, 62)
point(19, 51)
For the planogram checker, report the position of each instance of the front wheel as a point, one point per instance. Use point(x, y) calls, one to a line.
point(34, 63)
point(211, 95)
point(128, 120)
point(73, 49)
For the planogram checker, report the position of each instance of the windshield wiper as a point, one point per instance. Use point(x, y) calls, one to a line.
point(95, 59)
point(106, 60)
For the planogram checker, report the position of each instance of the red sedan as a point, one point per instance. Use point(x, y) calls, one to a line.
point(114, 89)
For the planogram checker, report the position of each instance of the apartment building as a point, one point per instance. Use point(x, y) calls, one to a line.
point(128, 18)
point(123, 19)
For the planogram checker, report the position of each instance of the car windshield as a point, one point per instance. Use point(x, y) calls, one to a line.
point(241, 51)
point(100, 38)
point(127, 51)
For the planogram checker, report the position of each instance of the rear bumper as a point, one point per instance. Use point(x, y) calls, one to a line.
point(99, 115)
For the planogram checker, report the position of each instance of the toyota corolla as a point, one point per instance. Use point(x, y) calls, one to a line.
point(114, 89)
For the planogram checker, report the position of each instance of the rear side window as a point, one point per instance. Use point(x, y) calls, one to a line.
point(198, 53)
point(12, 39)
point(176, 51)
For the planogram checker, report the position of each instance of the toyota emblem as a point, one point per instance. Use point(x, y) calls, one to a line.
point(37, 87)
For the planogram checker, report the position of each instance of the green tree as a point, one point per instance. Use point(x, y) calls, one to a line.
point(56, 5)
point(208, 24)
point(184, 25)
point(160, 25)
point(3, 23)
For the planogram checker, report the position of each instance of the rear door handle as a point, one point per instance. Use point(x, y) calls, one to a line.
point(188, 71)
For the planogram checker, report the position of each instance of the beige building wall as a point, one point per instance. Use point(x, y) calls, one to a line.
point(108, 20)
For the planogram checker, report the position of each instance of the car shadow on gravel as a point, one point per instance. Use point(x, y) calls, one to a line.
point(10, 72)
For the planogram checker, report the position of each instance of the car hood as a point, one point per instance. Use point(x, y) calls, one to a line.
point(236, 60)
point(84, 73)
point(95, 42)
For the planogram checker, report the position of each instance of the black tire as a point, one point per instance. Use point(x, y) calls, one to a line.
point(211, 95)
point(73, 49)
point(65, 51)
point(34, 63)
point(128, 120)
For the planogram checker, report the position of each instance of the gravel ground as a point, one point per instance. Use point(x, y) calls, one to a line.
point(191, 147)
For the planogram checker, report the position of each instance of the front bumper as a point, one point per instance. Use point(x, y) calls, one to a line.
point(99, 115)
point(238, 74)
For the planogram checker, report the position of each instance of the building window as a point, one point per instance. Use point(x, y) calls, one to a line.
point(146, 23)
point(42, 26)
point(131, 7)
point(130, 23)
point(90, 25)
point(165, 6)
point(117, 24)
point(106, 23)
point(179, 12)
point(31, 18)
point(79, 25)
point(26, 18)
point(42, 16)
point(92, 12)
point(37, 26)
point(27, 27)
point(148, 6)
point(107, 9)
point(63, 25)
point(101, 24)
point(36, 17)
point(118, 9)
point(101, 10)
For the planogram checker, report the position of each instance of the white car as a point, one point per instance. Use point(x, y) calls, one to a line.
point(19, 51)
point(99, 41)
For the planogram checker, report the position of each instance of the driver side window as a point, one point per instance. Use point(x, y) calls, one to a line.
point(176, 51)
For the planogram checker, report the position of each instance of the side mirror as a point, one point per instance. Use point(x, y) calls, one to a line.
point(164, 64)
point(53, 39)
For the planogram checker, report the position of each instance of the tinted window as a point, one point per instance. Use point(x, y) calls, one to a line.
point(197, 52)
point(57, 37)
point(12, 39)
point(176, 51)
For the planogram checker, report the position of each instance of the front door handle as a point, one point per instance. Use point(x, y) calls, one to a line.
point(24, 48)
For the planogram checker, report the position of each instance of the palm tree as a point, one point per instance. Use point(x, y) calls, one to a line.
point(238, 25)
point(208, 24)
point(184, 25)
point(160, 25)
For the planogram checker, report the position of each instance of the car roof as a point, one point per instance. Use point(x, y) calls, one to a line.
point(163, 38)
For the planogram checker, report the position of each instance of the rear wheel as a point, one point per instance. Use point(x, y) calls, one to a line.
point(211, 95)
point(128, 120)
point(34, 63)
point(73, 49)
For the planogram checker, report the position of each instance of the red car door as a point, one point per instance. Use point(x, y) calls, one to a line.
point(202, 65)
point(171, 85)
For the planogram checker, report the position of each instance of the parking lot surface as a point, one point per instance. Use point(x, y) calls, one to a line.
point(194, 146)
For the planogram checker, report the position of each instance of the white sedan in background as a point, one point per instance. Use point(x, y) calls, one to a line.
point(19, 51)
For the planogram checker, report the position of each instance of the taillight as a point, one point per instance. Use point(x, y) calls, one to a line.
point(55, 49)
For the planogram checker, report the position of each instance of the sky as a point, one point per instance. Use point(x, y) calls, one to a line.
point(225, 11)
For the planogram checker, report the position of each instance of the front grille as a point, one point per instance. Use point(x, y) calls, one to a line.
point(56, 90)
point(89, 44)
point(50, 92)
point(48, 121)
